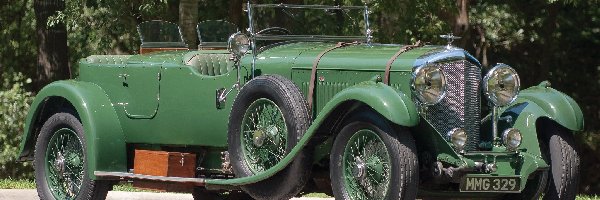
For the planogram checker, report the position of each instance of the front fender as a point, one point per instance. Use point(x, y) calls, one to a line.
point(104, 137)
point(394, 106)
point(555, 105)
point(533, 104)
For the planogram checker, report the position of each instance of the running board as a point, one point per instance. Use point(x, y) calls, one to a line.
point(125, 176)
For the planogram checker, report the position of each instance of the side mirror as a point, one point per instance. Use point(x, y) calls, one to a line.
point(238, 44)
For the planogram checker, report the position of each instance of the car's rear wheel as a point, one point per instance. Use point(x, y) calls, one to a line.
point(60, 161)
point(370, 160)
point(268, 118)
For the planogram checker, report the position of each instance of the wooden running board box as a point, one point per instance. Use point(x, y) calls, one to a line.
point(163, 163)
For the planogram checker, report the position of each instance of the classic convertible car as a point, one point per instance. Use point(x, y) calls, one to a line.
point(281, 112)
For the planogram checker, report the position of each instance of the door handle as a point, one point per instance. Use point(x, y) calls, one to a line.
point(124, 76)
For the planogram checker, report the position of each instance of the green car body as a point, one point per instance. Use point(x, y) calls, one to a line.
point(164, 99)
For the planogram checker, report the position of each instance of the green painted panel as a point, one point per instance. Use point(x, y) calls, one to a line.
point(187, 114)
point(142, 85)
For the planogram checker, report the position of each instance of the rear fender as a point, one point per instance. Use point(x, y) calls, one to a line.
point(104, 137)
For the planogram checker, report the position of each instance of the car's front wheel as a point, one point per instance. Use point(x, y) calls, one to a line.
point(370, 160)
point(60, 162)
point(561, 153)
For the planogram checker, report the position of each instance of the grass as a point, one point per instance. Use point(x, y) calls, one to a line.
point(587, 197)
point(30, 184)
point(16, 184)
point(316, 195)
point(127, 187)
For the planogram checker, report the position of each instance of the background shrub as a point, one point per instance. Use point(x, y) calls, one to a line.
point(14, 104)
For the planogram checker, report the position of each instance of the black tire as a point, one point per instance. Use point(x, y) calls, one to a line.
point(563, 176)
point(89, 189)
point(533, 188)
point(293, 107)
point(402, 151)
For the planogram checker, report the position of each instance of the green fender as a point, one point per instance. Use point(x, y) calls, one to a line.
point(391, 104)
point(525, 114)
point(532, 104)
point(395, 106)
point(555, 105)
point(103, 133)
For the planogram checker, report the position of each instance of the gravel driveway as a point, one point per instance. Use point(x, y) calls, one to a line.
point(115, 195)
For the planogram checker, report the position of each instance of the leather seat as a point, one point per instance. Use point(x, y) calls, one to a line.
point(211, 64)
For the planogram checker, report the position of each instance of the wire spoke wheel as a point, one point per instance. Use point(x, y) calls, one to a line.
point(64, 164)
point(267, 120)
point(366, 166)
point(264, 135)
point(372, 160)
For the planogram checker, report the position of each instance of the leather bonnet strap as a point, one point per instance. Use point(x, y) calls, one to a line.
point(388, 67)
point(313, 74)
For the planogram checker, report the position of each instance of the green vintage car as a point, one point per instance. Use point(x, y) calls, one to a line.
point(275, 112)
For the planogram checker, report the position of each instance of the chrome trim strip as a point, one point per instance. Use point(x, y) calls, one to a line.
point(308, 37)
point(281, 5)
point(252, 37)
point(491, 153)
point(447, 55)
point(124, 175)
point(368, 31)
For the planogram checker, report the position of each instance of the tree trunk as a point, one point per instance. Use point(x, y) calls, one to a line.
point(461, 23)
point(235, 13)
point(53, 58)
point(188, 18)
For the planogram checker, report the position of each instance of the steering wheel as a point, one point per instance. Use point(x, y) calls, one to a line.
point(275, 29)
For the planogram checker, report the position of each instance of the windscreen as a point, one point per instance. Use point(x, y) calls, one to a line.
point(215, 30)
point(281, 19)
point(159, 31)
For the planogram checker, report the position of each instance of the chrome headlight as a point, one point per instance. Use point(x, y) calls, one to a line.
point(428, 84)
point(512, 138)
point(238, 44)
point(501, 85)
point(458, 137)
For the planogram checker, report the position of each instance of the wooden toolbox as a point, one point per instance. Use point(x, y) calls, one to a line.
point(163, 163)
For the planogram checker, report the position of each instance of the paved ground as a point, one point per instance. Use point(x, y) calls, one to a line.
point(113, 195)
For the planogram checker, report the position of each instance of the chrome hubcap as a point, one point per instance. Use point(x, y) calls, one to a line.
point(359, 169)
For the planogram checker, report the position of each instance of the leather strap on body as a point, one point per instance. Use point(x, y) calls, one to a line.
point(313, 74)
point(388, 67)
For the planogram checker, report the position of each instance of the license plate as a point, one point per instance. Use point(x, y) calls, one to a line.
point(490, 184)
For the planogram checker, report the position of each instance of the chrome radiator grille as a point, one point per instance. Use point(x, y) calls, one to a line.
point(461, 108)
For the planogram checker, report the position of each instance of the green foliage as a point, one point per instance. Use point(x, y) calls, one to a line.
point(17, 33)
point(107, 26)
point(407, 21)
point(502, 28)
point(14, 104)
